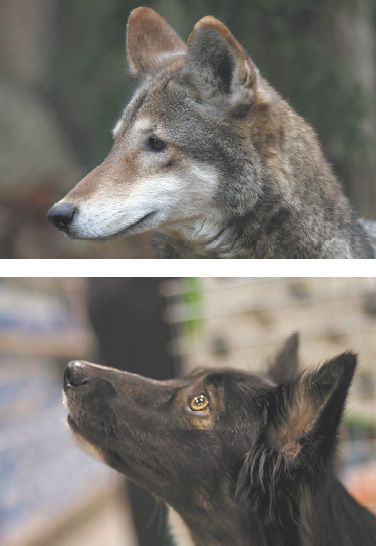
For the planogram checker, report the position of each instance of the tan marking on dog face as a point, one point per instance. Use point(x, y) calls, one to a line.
point(202, 423)
point(201, 419)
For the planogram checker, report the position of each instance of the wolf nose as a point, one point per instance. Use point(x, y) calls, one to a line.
point(75, 375)
point(61, 215)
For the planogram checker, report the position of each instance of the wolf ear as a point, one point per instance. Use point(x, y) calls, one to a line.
point(218, 67)
point(150, 41)
point(300, 434)
point(284, 367)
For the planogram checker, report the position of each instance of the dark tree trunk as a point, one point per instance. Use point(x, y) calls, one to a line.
point(128, 317)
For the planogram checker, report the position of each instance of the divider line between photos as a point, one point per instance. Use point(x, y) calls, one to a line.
point(187, 268)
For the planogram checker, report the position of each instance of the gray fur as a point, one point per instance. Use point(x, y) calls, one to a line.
point(298, 210)
point(370, 229)
point(247, 177)
point(260, 219)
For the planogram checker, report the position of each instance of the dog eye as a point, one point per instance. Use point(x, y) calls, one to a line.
point(199, 402)
point(155, 144)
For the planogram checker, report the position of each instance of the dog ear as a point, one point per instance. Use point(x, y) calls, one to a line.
point(300, 433)
point(218, 67)
point(284, 367)
point(312, 410)
point(150, 41)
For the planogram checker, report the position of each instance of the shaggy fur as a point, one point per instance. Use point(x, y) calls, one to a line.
point(210, 158)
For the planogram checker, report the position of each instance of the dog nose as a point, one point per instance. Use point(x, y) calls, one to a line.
point(61, 215)
point(75, 375)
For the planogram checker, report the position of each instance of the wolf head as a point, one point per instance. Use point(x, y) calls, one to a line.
point(187, 145)
point(218, 441)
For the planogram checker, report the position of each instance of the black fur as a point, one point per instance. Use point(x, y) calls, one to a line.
point(285, 365)
point(255, 468)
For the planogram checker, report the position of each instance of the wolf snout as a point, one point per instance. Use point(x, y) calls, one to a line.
point(61, 215)
point(75, 375)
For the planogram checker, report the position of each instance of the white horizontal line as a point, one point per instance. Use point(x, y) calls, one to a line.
point(187, 268)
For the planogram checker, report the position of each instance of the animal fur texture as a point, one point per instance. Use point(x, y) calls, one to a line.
point(241, 460)
point(212, 160)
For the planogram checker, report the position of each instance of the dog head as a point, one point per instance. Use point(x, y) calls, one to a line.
point(180, 141)
point(217, 439)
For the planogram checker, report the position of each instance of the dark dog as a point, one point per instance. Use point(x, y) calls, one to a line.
point(242, 459)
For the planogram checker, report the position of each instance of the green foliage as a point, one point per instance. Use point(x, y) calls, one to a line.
point(193, 299)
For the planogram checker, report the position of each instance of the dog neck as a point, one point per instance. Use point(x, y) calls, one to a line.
point(309, 521)
point(220, 530)
point(242, 529)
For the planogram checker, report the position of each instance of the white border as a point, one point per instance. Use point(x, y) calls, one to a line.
point(186, 268)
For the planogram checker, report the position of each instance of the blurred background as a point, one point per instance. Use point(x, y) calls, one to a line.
point(64, 83)
point(52, 493)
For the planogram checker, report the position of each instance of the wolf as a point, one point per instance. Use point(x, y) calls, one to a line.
point(210, 158)
point(240, 459)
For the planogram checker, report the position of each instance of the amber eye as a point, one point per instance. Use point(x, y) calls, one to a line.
point(199, 402)
point(155, 144)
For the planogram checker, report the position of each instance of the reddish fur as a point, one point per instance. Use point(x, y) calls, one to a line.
point(145, 27)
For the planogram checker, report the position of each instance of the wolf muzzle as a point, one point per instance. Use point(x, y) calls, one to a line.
point(61, 216)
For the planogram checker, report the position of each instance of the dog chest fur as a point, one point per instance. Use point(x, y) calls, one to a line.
point(179, 530)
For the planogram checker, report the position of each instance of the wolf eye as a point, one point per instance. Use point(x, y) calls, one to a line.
point(155, 144)
point(199, 402)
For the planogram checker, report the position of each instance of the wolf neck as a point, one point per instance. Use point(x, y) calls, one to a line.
point(300, 225)
point(273, 230)
point(283, 202)
point(201, 238)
